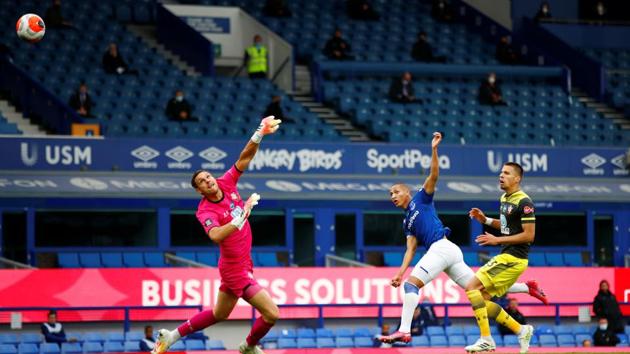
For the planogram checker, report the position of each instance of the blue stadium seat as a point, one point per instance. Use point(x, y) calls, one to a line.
point(537, 259)
point(9, 338)
point(344, 342)
point(112, 259)
point(325, 343)
point(8, 349)
point(178, 346)
point(215, 344)
point(93, 347)
point(324, 333)
point(207, 258)
point(194, 344)
point(471, 258)
point(471, 330)
point(420, 341)
point(566, 340)
point(134, 346)
point(343, 332)
point(187, 255)
point(93, 337)
point(306, 343)
point(456, 341)
point(154, 259)
point(49, 348)
point(510, 341)
point(562, 329)
point(362, 332)
point(133, 336)
point(28, 348)
point(363, 342)
point(573, 259)
point(392, 259)
point(287, 343)
point(68, 260)
point(71, 348)
point(90, 260)
point(435, 331)
point(31, 338)
point(133, 259)
point(454, 330)
point(554, 259)
point(115, 336)
point(266, 259)
point(547, 340)
point(580, 329)
point(438, 341)
point(288, 333)
point(305, 333)
point(623, 340)
point(544, 329)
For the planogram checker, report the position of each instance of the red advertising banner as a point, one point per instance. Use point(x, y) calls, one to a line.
point(197, 286)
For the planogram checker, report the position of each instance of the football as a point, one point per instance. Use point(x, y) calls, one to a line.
point(30, 28)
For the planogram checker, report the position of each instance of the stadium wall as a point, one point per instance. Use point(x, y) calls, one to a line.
point(499, 10)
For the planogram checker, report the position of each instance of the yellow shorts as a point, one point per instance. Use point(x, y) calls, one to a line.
point(500, 273)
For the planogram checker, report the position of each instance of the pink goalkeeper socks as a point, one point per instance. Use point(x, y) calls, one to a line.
point(199, 321)
point(259, 329)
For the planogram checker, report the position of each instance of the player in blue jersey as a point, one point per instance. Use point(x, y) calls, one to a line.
point(422, 227)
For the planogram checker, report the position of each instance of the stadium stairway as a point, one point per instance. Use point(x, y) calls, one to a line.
point(15, 118)
point(604, 109)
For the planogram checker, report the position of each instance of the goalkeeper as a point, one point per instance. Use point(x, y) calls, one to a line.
point(223, 215)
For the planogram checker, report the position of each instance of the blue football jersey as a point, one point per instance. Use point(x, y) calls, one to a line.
point(421, 220)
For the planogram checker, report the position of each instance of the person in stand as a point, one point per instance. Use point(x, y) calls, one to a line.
point(147, 343)
point(53, 331)
point(256, 59)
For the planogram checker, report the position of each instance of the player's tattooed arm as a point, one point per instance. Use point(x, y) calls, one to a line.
point(429, 183)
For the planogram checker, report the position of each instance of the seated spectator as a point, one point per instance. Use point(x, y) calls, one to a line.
point(427, 314)
point(505, 53)
point(81, 101)
point(604, 336)
point(179, 109)
point(147, 343)
point(113, 62)
point(53, 18)
point(587, 343)
point(53, 331)
point(512, 310)
point(605, 305)
point(276, 8)
point(337, 48)
point(490, 92)
point(401, 89)
point(361, 10)
point(441, 11)
point(543, 12)
point(422, 51)
point(275, 109)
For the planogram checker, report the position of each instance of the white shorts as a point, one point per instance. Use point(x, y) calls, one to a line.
point(443, 256)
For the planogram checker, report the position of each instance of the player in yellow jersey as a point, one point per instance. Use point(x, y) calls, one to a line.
point(518, 226)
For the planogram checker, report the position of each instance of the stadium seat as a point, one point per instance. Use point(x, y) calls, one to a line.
point(510, 341)
point(154, 259)
point(266, 259)
point(362, 332)
point(287, 343)
point(31, 338)
point(8, 349)
point(554, 259)
point(306, 342)
point(435, 331)
point(178, 346)
point(112, 259)
point(28, 348)
point(305, 333)
point(134, 336)
point(580, 329)
point(93, 337)
point(420, 341)
point(623, 340)
point(68, 260)
point(343, 332)
point(195, 344)
point(562, 329)
point(547, 340)
point(133, 260)
point(288, 333)
point(344, 342)
point(215, 344)
point(93, 347)
point(207, 258)
point(392, 259)
point(9, 338)
point(133, 346)
point(456, 341)
point(71, 348)
point(471, 258)
point(580, 338)
point(90, 260)
point(438, 341)
point(471, 330)
point(46, 348)
point(537, 259)
point(325, 342)
point(187, 255)
point(363, 342)
point(454, 330)
point(565, 340)
point(544, 329)
point(324, 333)
point(573, 259)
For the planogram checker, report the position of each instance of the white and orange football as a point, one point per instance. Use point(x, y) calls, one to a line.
point(30, 28)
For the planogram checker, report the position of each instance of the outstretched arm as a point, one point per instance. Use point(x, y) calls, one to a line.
point(412, 245)
point(268, 125)
point(429, 183)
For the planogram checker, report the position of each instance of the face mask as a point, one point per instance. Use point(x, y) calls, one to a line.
point(179, 98)
point(491, 80)
point(545, 10)
point(257, 45)
point(603, 327)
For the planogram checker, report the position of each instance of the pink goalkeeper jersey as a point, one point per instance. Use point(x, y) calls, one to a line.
point(237, 247)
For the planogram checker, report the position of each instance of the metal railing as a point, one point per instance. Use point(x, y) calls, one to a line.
point(336, 261)
point(11, 264)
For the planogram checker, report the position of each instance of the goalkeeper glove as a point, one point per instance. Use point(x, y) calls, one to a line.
point(239, 221)
point(268, 125)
